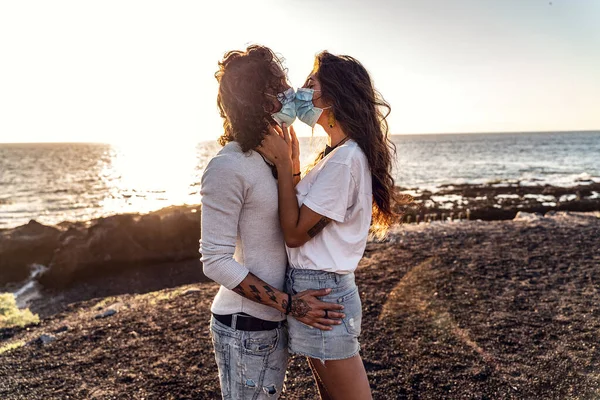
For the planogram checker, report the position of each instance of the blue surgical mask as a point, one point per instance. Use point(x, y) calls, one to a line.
point(305, 108)
point(287, 114)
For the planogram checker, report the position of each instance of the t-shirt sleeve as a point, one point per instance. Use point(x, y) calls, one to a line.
point(332, 191)
point(222, 199)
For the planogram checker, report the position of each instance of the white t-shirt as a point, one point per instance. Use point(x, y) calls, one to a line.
point(339, 188)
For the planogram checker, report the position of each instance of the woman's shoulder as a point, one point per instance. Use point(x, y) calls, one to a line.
point(349, 154)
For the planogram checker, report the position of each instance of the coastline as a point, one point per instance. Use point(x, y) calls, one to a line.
point(129, 244)
point(102, 180)
point(499, 201)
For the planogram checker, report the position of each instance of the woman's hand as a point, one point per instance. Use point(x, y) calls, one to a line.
point(277, 146)
point(308, 309)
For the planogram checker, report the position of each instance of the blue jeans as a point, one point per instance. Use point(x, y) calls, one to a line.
point(251, 365)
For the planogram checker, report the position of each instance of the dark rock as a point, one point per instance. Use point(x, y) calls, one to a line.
point(43, 339)
point(20, 247)
point(482, 374)
point(489, 202)
point(122, 241)
point(62, 329)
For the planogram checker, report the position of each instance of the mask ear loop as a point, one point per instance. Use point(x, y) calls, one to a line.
point(330, 117)
point(313, 101)
point(280, 99)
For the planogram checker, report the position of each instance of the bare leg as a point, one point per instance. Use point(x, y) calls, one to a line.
point(344, 379)
point(322, 391)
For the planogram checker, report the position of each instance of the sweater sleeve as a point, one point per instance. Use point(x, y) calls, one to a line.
point(222, 190)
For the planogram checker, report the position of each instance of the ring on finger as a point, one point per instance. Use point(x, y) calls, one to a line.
point(326, 316)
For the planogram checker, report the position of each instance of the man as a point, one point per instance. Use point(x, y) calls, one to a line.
point(242, 244)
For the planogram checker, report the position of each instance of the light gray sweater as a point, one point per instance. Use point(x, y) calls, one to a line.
point(240, 229)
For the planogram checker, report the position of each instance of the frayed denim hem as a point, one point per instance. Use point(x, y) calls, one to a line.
point(323, 359)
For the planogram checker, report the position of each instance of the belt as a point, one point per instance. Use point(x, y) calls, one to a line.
point(244, 322)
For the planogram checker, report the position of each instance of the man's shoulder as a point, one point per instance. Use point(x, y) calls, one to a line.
point(230, 155)
point(230, 160)
point(231, 150)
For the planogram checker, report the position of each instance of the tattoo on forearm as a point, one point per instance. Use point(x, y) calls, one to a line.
point(259, 291)
point(256, 292)
point(319, 226)
point(299, 308)
point(270, 293)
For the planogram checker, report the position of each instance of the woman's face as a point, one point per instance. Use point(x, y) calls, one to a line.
point(313, 83)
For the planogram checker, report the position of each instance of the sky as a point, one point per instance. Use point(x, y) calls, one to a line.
point(143, 71)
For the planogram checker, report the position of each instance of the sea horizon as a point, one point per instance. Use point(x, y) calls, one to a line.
point(323, 136)
point(55, 182)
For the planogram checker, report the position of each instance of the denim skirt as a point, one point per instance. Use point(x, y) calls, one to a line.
point(342, 341)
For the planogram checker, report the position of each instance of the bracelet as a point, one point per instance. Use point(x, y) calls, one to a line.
point(298, 174)
point(288, 309)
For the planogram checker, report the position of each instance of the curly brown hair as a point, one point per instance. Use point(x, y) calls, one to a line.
point(245, 80)
point(361, 112)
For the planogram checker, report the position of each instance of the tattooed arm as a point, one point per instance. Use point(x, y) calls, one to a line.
point(306, 307)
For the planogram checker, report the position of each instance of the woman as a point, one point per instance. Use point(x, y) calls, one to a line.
point(327, 217)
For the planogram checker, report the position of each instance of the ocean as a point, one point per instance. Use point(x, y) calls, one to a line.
point(52, 183)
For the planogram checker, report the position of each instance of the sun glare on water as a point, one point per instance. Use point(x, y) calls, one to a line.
point(143, 177)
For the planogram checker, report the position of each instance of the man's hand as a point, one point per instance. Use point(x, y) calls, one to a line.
point(308, 309)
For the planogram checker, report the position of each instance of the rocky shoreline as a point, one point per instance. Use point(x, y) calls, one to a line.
point(454, 310)
point(85, 251)
point(500, 201)
point(80, 252)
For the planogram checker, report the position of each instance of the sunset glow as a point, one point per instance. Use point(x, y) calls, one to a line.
point(125, 72)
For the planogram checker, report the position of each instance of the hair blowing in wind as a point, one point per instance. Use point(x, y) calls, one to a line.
point(361, 112)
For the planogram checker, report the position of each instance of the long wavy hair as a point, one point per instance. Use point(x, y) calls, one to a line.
point(246, 78)
point(361, 112)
